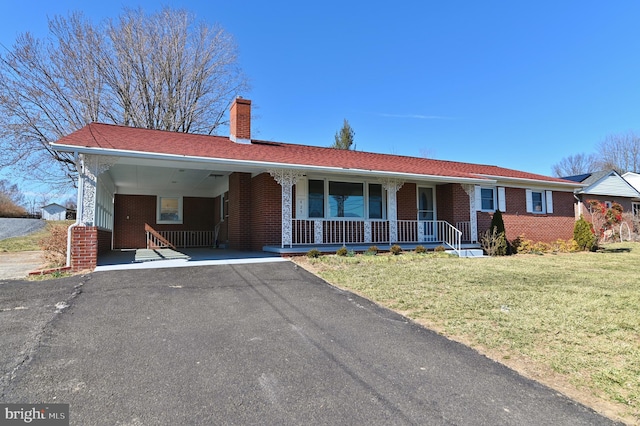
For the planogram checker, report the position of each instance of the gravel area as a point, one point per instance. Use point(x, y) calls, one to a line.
point(11, 227)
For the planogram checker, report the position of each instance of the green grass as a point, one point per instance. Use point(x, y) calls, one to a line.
point(29, 242)
point(576, 316)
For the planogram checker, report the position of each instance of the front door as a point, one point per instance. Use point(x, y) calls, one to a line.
point(426, 215)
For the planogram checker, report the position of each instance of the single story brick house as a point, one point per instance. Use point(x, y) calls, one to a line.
point(140, 187)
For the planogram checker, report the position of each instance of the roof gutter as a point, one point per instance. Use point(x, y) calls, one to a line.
point(268, 164)
point(526, 181)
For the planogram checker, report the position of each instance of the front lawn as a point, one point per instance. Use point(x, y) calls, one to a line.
point(571, 321)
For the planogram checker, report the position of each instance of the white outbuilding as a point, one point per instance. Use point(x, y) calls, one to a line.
point(54, 212)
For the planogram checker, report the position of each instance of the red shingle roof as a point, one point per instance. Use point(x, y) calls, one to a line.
point(122, 138)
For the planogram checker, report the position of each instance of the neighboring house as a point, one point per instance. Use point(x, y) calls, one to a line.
point(54, 212)
point(606, 186)
point(141, 187)
point(634, 180)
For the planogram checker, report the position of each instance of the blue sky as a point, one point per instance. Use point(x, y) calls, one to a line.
point(515, 84)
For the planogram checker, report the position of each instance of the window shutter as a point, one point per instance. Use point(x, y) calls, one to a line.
point(549, 196)
point(529, 201)
point(502, 201)
point(478, 194)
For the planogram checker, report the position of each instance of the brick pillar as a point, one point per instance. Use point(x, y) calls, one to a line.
point(84, 248)
point(240, 211)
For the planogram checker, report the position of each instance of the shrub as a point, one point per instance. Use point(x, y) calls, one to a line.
point(372, 251)
point(395, 249)
point(497, 224)
point(493, 243)
point(421, 249)
point(439, 249)
point(342, 251)
point(55, 245)
point(584, 234)
point(314, 253)
point(351, 253)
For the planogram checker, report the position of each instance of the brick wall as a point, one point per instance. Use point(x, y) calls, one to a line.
point(239, 226)
point(535, 227)
point(452, 203)
point(406, 201)
point(131, 212)
point(266, 213)
point(104, 241)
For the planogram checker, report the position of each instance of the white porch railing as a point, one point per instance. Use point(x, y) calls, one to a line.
point(337, 231)
point(465, 228)
point(186, 239)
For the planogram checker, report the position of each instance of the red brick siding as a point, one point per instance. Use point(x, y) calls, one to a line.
point(239, 226)
point(266, 212)
point(406, 202)
point(104, 241)
point(84, 248)
point(535, 227)
point(131, 212)
point(452, 203)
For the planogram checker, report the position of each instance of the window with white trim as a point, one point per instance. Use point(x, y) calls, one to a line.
point(169, 210)
point(635, 208)
point(486, 199)
point(539, 202)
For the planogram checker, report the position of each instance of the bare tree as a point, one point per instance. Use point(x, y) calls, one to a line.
point(575, 165)
point(620, 152)
point(162, 71)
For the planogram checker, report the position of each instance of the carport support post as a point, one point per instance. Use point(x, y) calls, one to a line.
point(473, 217)
point(392, 186)
point(84, 236)
point(286, 178)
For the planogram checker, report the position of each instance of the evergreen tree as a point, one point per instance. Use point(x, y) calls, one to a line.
point(497, 224)
point(344, 138)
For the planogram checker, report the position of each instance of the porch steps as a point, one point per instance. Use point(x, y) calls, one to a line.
point(471, 253)
point(149, 255)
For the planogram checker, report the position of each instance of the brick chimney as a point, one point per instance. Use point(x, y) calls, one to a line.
point(240, 121)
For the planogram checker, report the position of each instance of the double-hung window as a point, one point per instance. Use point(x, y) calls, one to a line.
point(539, 202)
point(485, 199)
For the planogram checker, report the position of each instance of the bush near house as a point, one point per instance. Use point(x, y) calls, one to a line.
point(313, 253)
point(584, 235)
point(54, 245)
point(395, 249)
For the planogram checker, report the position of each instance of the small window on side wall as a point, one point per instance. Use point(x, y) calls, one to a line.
point(485, 199)
point(169, 210)
point(539, 202)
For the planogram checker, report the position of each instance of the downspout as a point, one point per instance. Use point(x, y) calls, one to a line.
point(579, 205)
point(79, 207)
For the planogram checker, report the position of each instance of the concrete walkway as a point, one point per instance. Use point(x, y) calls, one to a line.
point(119, 260)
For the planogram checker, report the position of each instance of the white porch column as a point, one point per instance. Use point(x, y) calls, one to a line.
point(392, 186)
point(91, 166)
point(286, 178)
point(473, 217)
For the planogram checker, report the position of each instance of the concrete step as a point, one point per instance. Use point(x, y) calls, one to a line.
point(471, 253)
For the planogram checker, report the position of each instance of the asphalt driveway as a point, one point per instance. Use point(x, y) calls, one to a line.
point(248, 344)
